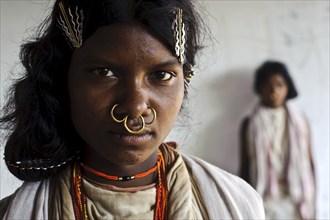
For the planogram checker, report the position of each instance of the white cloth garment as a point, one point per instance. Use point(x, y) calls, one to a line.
point(197, 190)
point(281, 160)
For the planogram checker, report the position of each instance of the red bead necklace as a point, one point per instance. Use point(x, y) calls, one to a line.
point(79, 198)
point(118, 178)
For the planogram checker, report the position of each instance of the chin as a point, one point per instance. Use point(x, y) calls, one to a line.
point(276, 105)
point(132, 157)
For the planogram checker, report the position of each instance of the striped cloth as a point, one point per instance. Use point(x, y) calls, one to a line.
point(298, 170)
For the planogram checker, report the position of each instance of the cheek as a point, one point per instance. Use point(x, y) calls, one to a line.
point(264, 94)
point(172, 105)
point(79, 99)
point(87, 106)
point(284, 93)
point(79, 108)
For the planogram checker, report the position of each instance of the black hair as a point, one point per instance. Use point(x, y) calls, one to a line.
point(37, 112)
point(269, 68)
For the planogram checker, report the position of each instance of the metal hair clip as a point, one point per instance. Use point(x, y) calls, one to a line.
point(42, 164)
point(189, 74)
point(179, 35)
point(72, 27)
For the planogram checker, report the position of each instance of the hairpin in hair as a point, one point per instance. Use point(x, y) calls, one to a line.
point(41, 164)
point(179, 35)
point(189, 74)
point(72, 26)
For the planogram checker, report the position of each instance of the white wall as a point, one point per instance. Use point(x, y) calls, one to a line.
point(245, 33)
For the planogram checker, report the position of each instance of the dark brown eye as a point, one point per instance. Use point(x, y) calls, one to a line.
point(103, 72)
point(163, 75)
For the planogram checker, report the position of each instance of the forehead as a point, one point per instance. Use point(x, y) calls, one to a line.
point(120, 42)
point(278, 77)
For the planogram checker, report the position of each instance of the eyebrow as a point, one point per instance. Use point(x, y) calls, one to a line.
point(170, 62)
point(99, 60)
point(102, 61)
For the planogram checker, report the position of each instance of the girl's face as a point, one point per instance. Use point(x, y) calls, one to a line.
point(123, 64)
point(273, 91)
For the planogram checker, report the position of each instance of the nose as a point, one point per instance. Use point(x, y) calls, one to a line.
point(134, 100)
point(273, 90)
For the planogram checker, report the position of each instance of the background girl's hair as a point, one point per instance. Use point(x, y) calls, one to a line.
point(37, 112)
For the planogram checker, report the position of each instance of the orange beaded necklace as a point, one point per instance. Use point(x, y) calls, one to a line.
point(118, 178)
point(79, 198)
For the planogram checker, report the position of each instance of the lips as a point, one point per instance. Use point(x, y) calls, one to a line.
point(125, 138)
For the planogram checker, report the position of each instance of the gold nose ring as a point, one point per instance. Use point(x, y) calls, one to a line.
point(124, 120)
point(155, 116)
point(113, 116)
point(134, 131)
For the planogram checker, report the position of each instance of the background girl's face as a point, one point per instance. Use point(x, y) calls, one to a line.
point(273, 91)
point(123, 64)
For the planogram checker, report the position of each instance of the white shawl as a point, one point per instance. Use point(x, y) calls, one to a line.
point(217, 193)
point(299, 171)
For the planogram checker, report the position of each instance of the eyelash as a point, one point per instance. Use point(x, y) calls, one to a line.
point(98, 72)
point(155, 75)
point(169, 74)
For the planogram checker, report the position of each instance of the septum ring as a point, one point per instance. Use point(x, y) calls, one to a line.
point(134, 131)
point(124, 120)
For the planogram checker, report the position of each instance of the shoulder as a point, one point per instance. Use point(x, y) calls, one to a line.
point(245, 121)
point(26, 200)
point(297, 117)
point(294, 111)
point(241, 201)
point(4, 204)
point(244, 125)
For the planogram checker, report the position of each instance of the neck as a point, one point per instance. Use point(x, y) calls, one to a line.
point(272, 106)
point(109, 168)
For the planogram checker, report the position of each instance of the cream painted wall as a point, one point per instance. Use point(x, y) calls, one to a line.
point(244, 33)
